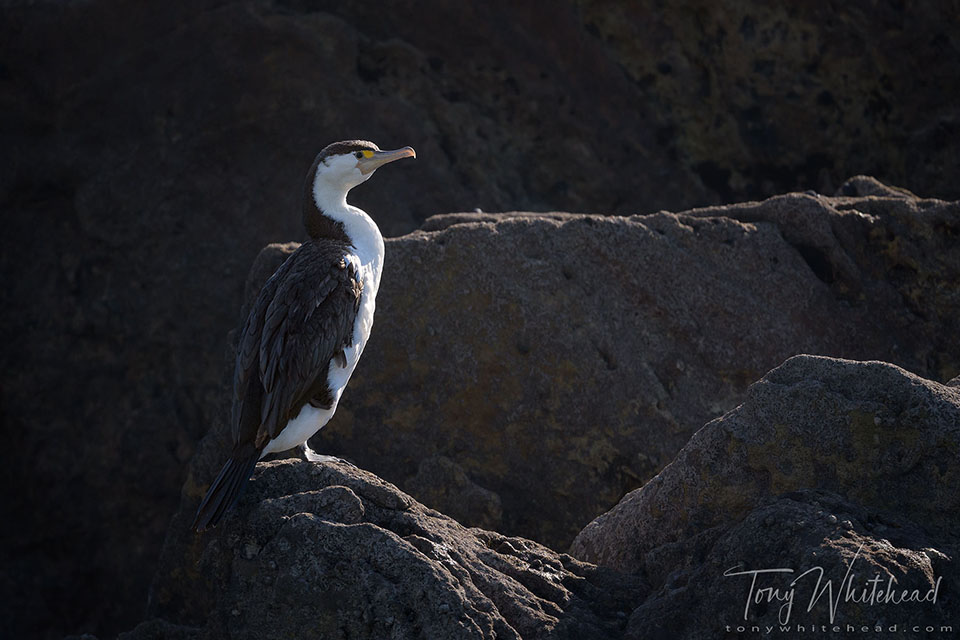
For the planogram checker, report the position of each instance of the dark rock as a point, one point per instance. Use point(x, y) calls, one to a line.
point(441, 481)
point(566, 358)
point(859, 186)
point(844, 470)
point(637, 327)
point(802, 531)
point(872, 451)
point(331, 551)
point(762, 99)
point(441, 221)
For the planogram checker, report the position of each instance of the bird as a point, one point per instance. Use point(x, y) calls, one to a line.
point(308, 326)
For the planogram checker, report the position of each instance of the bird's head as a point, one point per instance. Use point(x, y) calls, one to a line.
point(343, 165)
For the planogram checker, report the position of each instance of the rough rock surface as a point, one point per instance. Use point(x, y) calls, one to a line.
point(561, 360)
point(845, 470)
point(823, 456)
point(442, 481)
point(330, 551)
point(761, 98)
point(802, 531)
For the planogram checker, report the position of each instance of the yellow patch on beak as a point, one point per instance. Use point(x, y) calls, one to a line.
point(379, 158)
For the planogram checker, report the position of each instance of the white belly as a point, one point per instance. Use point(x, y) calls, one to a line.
point(308, 422)
point(311, 419)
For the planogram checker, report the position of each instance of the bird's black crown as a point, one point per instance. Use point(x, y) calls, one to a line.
point(346, 146)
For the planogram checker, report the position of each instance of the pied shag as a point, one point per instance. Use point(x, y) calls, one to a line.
point(308, 326)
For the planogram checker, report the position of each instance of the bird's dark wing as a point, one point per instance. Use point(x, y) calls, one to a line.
point(303, 318)
point(247, 389)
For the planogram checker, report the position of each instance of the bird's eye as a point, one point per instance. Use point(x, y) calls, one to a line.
point(359, 154)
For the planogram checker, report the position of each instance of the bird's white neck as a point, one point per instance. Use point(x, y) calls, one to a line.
point(361, 230)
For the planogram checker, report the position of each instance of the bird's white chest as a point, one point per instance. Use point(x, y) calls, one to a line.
point(338, 375)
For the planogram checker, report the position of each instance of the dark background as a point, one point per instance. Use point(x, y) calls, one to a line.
point(150, 149)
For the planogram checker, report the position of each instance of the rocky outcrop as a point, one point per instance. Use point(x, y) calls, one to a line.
point(555, 361)
point(442, 481)
point(764, 98)
point(828, 463)
point(560, 360)
point(842, 476)
point(856, 561)
point(330, 551)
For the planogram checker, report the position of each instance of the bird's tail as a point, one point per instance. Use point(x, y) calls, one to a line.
point(226, 489)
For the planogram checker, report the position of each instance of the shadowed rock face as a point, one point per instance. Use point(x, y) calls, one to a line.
point(802, 531)
point(845, 469)
point(824, 456)
point(330, 551)
point(761, 98)
point(559, 360)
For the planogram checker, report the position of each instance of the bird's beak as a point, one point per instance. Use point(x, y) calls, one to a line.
point(380, 158)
